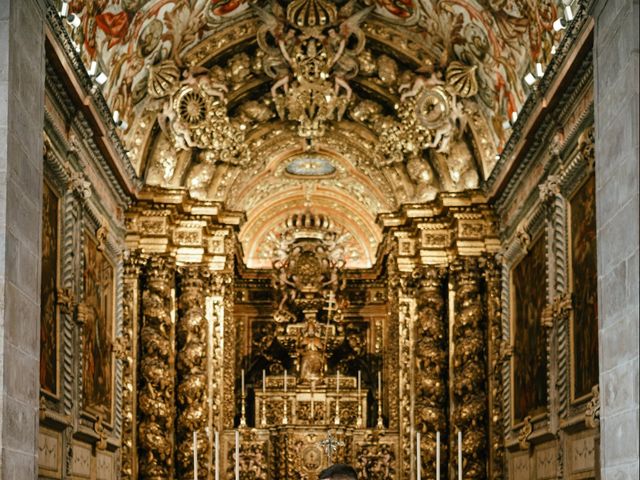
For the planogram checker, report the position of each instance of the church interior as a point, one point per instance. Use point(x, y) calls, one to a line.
point(247, 239)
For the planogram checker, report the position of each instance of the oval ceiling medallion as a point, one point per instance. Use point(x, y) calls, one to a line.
point(310, 165)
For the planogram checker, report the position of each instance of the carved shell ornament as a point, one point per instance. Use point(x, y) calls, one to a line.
point(461, 79)
point(163, 79)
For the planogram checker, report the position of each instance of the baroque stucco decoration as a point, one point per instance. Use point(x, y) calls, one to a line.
point(410, 95)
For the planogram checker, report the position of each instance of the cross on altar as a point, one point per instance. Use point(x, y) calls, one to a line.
point(330, 445)
point(331, 305)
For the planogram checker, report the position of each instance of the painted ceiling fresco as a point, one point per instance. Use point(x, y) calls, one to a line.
point(406, 98)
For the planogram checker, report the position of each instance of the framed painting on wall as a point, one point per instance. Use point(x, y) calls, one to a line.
point(99, 303)
point(49, 311)
point(584, 287)
point(528, 300)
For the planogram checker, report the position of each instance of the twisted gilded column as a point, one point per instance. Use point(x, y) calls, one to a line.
point(191, 370)
point(156, 405)
point(496, 415)
point(431, 366)
point(469, 389)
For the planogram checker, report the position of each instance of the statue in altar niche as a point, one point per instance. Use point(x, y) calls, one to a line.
point(308, 264)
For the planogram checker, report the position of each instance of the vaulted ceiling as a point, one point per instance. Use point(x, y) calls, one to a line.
point(347, 108)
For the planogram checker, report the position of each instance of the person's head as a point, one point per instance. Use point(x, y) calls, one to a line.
point(339, 471)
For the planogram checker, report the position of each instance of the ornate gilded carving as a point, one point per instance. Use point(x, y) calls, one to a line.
point(311, 55)
point(156, 404)
point(525, 433)
point(376, 460)
point(496, 354)
point(592, 413)
point(431, 365)
point(253, 460)
point(191, 369)
point(130, 308)
point(469, 368)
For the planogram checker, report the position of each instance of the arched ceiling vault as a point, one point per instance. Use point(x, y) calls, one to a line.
point(351, 108)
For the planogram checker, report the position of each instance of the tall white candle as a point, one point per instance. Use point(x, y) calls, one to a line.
point(359, 384)
point(380, 386)
point(242, 383)
point(338, 383)
point(237, 455)
point(418, 458)
point(437, 455)
point(264, 381)
point(217, 455)
point(195, 455)
point(285, 381)
point(459, 455)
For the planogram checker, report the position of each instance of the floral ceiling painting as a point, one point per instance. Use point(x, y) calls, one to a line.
point(415, 96)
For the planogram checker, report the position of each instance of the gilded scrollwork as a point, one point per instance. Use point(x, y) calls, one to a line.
point(156, 394)
point(469, 368)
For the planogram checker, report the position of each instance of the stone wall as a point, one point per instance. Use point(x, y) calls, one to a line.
point(21, 113)
point(616, 109)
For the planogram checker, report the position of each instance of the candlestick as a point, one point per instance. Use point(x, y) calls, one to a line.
point(243, 408)
point(285, 420)
point(380, 421)
point(359, 419)
point(459, 455)
point(195, 455)
point(263, 404)
point(217, 455)
point(418, 458)
point(312, 414)
point(237, 455)
point(437, 455)
point(336, 420)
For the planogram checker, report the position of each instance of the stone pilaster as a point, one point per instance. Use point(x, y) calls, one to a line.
point(616, 165)
point(21, 165)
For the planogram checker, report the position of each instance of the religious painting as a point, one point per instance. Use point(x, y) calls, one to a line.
point(97, 361)
point(584, 279)
point(48, 292)
point(529, 345)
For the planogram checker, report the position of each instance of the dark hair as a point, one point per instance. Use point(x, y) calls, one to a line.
point(339, 471)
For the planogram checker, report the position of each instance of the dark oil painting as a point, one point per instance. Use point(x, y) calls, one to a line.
point(585, 289)
point(99, 303)
point(530, 352)
point(49, 286)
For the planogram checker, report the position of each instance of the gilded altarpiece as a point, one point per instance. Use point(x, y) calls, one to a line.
point(306, 352)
